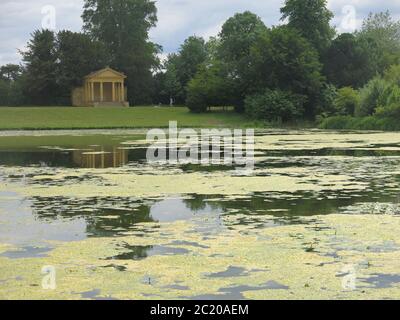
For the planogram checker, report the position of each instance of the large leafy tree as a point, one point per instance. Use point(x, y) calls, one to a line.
point(239, 33)
point(351, 61)
point(172, 87)
point(78, 55)
point(282, 59)
point(10, 72)
point(4, 92)
point(212, 86)
point(41, 68)
point(9, 75)
point(312, 19)
point(385, 33)
point(182, 66)
point(192, 55)
point(123, 26)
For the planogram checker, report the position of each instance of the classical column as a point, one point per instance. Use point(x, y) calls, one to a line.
point(84, 92)
point(113, 91)
point(122, 92)
point(92, 91)
point(101, 91)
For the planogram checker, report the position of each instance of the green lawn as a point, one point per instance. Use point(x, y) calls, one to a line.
point(107, 118)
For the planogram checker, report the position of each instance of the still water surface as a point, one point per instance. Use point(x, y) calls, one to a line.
point(70, 188)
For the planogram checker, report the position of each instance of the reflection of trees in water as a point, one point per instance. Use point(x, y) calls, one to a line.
point(109, 216)
point(288, 205)
point(40, 157)
point(116, 156)
point(195, 204)
point(134, 253)
point(326, 152)
point(101, 220)
point(200, 203)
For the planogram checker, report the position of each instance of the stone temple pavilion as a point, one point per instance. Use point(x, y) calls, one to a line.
point(103, 88)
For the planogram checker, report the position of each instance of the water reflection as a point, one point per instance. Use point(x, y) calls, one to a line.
point(30, 221)
point(116, 154)
point(84, 158)
point(113, 216)
point(105, 158)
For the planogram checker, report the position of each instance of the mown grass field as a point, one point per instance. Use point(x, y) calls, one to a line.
point(31, 118)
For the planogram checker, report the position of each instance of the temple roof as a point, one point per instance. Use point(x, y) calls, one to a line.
point(105, 72)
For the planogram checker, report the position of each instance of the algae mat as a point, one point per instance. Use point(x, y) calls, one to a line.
point(318, 218)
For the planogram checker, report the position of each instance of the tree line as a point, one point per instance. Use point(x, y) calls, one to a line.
point(115, 34)
point(301, 69)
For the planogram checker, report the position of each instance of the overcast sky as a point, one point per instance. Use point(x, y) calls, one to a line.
point(178, 19)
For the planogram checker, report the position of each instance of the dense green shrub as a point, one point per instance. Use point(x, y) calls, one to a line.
point(196, 100)
point(363, 123)
point(275, 105)
point(336, 122)
point(16, 96)
point(392, 75)
point(347, 101)
point(391, 95)
point(327, 100)
point(4, 92)
point(210, 87)
point(380, 93)
point(370, 96)
point(391, 111)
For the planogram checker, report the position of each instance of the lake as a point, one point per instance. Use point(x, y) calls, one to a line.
point(318, 218)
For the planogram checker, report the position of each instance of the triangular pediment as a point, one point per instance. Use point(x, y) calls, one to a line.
point(106, 73)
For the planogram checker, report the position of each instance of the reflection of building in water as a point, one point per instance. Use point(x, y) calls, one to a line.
point(100, 159)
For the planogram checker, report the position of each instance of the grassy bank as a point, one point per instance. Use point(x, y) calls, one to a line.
point(364, 123)
point(109, 118)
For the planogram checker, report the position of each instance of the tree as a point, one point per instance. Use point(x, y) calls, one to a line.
point(41, 69)
point(347, 101)
point(371, 95)
point(312, 19)
point(326, 100)
point(274, 105)
point(212, 86)
point(78, 55)
point(351, 61)
point(182, 66)
point(10, 72)
point(123, 27)
point(239, 34)
point(16, 95)
point(392, 75)
point(385, 32)
point(283, 59)
point(172, 87)
point(4, 92)
point(191, 56)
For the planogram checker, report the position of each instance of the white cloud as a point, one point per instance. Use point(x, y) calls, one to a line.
point(178, 19)
point(19, 18)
